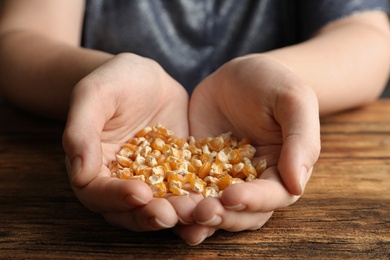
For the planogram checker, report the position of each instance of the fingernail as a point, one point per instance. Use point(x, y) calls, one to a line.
point(214, 221)
point(155, 222)
point(236, 207)
point(202, 238)
point(76, 166)
point(141, 201)
point(303, 178)
point(183, 222)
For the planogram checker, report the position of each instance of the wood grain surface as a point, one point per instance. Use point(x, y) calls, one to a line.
point(344, 213)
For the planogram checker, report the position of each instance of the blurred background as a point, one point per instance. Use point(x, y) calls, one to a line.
point(386, 93)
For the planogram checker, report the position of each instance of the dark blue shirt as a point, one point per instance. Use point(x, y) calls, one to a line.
point(192, 38)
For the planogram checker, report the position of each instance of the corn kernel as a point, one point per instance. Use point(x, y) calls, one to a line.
point(123, 161)
point(159, 190)
point(211, 192)
point(197, 185)
point(217, 143)
point(224, 181)
point(260, 167)
point(143, 132)
point(158, 144)
point(204, 170)
point(249, 170)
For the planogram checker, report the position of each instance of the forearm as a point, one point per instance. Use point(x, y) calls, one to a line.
point(38, 73)
point(347, 65)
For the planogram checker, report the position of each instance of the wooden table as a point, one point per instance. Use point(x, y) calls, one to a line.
point(344, 213)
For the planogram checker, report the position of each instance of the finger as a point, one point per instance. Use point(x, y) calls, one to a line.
point(81, 138)
point(184, 206)
point(211, 213)
point(158, 214)
point(261, 195)
point(301, 141)
point(194, 234)
point(107, 194)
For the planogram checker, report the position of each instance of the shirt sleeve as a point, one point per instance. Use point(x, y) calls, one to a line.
point(318, 13)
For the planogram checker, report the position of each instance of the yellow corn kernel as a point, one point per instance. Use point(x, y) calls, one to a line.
point(205, 149)
point(261, 166)
point(197, 185)
point(138, 177)
point(221, 157)
point(159, 189)
point(250, 177)
point(216, 169)
point(181, 143)
point(194, 150)
point(211, 192)
point(136, 141)
point(151, 161)
point(140, 160)
point(186, 154)
point(166, 167)
point(154, 179)
point(167, 150)
point(227, 167)
point(244, 141)
point(234, 156)
point(205, 158)
point(123, 161)
point(158, 170)
point(125, 173)
point(155, 153)
point(144, 170)
point(176, 187)
point(231, 142)
point(190, 177)
point(204, 170)
point(158, 144)
point(129, 146)
point(161, 159)
point(224, 181)
point(191, 141)
point(162, 131)
point(195, 162)
point(217, 144)
point(126, 152)
point(175, 177)
point(236, 180)
point(143, 132)
point(249, 170)
point(191, 168)
point(134, 166)
point(211, 180)
point(237, 168)
point(178, 191)
point(114, 166)
point(247, 151)
point(171, 140)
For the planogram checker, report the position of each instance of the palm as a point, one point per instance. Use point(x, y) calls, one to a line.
point(108, 107)
point(226, 102)
point(259, 99)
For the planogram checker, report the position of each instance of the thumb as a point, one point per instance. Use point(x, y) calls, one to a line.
point(301, 144)
point(81, 140)
point(83, 155)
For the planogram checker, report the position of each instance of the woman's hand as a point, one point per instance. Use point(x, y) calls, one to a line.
point(107, 108)
point(258, 98)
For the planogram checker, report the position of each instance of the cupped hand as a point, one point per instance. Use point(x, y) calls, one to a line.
point(256, 97)
point(107, 108)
